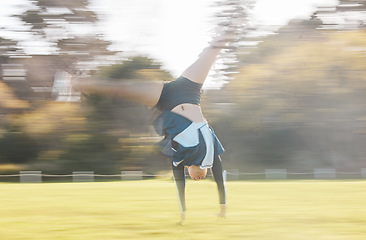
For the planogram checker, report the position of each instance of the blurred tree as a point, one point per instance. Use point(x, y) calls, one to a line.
point(8, 48)
point(136, 68)
point(69, 28)
point(234, 14)
point(231, 15)
point(345, 16)
point(93, 152)
point(48, 126)
point(66, 140)
point(17, 147)
point(116, 113)
point(296, 102)
point(126, 120)
point(302, 106)
point(97, 133)
point(9, 101)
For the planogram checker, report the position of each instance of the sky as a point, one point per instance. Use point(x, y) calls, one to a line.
point(172, 31)
point(175, 32)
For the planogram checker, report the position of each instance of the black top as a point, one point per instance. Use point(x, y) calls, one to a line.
point(181, 90)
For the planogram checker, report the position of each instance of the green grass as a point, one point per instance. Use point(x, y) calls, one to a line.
point(293, 210)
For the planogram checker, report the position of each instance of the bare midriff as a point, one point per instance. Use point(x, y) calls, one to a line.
point(191, 111)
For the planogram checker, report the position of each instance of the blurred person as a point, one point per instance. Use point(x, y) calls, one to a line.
point(188, 139)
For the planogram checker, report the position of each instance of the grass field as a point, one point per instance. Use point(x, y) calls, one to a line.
point(296, 210)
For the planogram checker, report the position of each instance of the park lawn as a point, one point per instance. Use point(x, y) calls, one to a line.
point(283, 210)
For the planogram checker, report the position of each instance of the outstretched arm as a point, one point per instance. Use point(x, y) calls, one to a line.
point(146, 93)
point(218, 177)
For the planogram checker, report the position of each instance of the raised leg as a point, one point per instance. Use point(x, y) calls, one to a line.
point(198, 71)
point(147, 93)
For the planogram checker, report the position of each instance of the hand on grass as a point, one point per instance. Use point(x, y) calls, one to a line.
point(222, 213)
point(182, 218)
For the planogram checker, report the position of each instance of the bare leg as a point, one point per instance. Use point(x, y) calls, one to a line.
point(147, 93)
point(198, 71)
